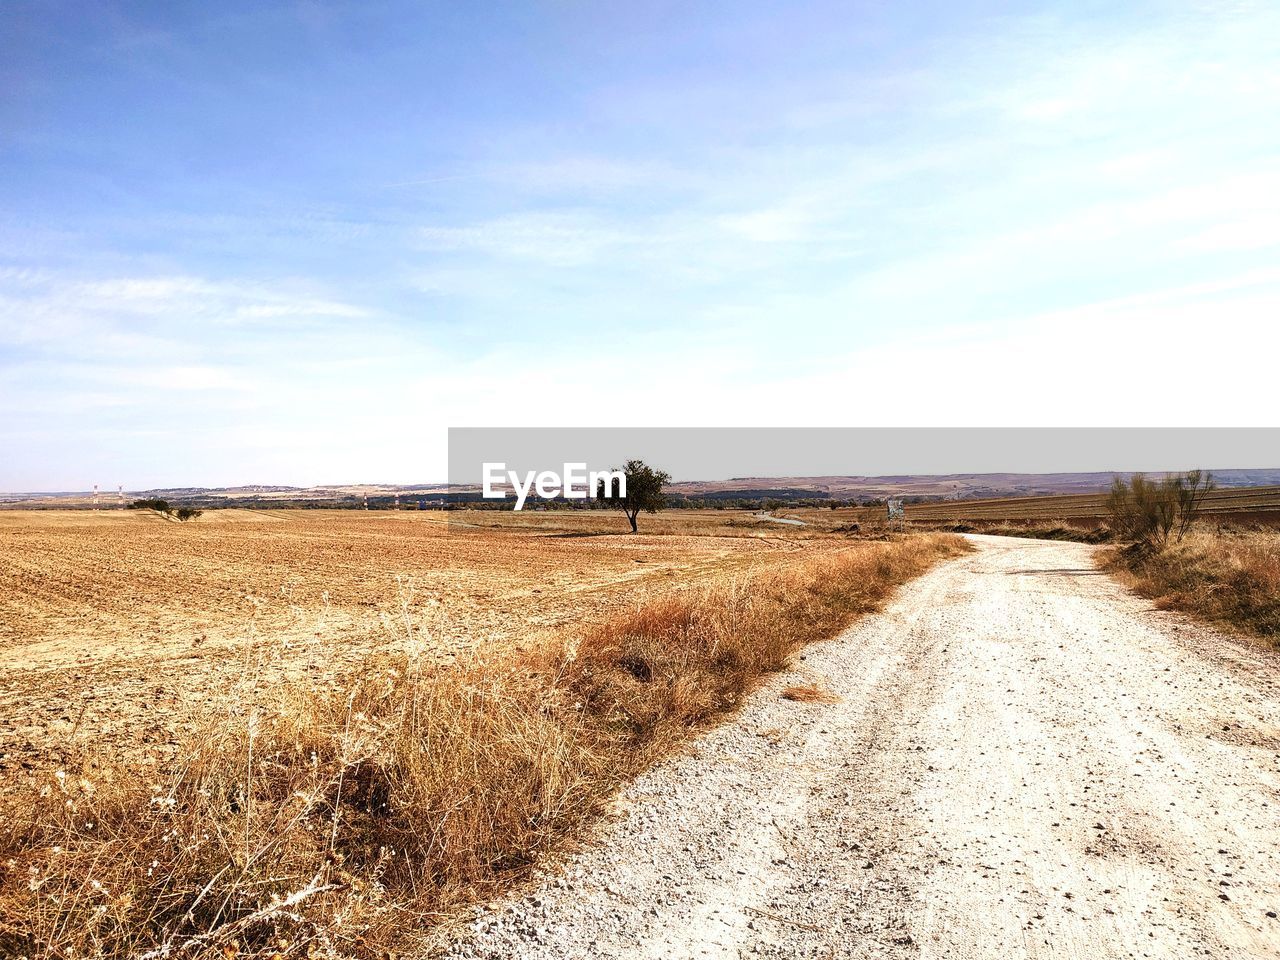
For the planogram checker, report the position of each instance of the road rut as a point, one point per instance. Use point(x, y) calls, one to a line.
point(1024, 761)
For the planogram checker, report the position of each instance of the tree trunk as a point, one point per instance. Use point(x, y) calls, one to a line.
point(632, 518)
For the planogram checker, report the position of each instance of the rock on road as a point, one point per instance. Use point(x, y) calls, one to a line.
point(1025, 761)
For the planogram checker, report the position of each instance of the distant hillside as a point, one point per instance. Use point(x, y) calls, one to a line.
point(957, 486)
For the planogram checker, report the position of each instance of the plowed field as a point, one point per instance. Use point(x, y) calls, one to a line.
point(1240, 503)
point(118, 629)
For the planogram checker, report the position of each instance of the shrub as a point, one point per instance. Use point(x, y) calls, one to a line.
point(187, 513)
point(151, 503)
point(1146, 512)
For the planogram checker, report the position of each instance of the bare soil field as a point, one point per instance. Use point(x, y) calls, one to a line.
point(1238, 504)
point(118, 627)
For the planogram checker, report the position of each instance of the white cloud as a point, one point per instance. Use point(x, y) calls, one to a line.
point(560, 238)
point(147, 316)
point(788, 223)
point(1082, 366)
point(577, 174)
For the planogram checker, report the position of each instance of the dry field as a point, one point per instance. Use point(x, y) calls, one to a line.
point(323, 734)
point(1253, 504)
point(119, 628)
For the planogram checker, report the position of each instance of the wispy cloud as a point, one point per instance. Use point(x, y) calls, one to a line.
point(560, 238)
point(126, 316)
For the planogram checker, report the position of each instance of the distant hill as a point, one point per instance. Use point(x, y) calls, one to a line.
point(953, 486)
point(956, 486)
point(249, 495)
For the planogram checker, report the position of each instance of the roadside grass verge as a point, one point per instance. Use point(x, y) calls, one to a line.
point(1230, 578)
point(345, 824)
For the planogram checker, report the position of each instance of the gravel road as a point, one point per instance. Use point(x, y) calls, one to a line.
point(1025, 761)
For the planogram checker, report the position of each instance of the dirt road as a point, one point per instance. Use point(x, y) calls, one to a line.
point(1025, 762)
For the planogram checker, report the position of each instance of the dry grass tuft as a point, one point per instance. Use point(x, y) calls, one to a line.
point(1077, 530)
point(1231, 578)
point(332, 824)
point(808, 693)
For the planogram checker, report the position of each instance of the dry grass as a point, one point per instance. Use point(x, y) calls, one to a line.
point(337, 821)
point(809, 693)
point(1076, 530)
point(1231, 578)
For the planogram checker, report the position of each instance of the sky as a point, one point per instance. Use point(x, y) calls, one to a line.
point(294, 242)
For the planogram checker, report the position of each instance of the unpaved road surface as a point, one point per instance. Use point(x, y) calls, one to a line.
point(1025, 762)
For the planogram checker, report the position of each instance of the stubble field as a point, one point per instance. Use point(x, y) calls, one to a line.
point(120, 631)
point(1260, 505)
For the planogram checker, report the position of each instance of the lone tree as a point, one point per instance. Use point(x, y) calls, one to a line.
point(152, 503)
point(644, 491)
point(1147, 513)
point(165, 509)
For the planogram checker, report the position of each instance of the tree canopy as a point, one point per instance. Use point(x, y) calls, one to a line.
point(643, 491)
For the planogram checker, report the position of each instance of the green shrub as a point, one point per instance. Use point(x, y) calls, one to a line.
point(151, 503)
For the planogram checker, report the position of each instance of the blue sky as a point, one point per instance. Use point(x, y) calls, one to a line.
point(291, 243)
